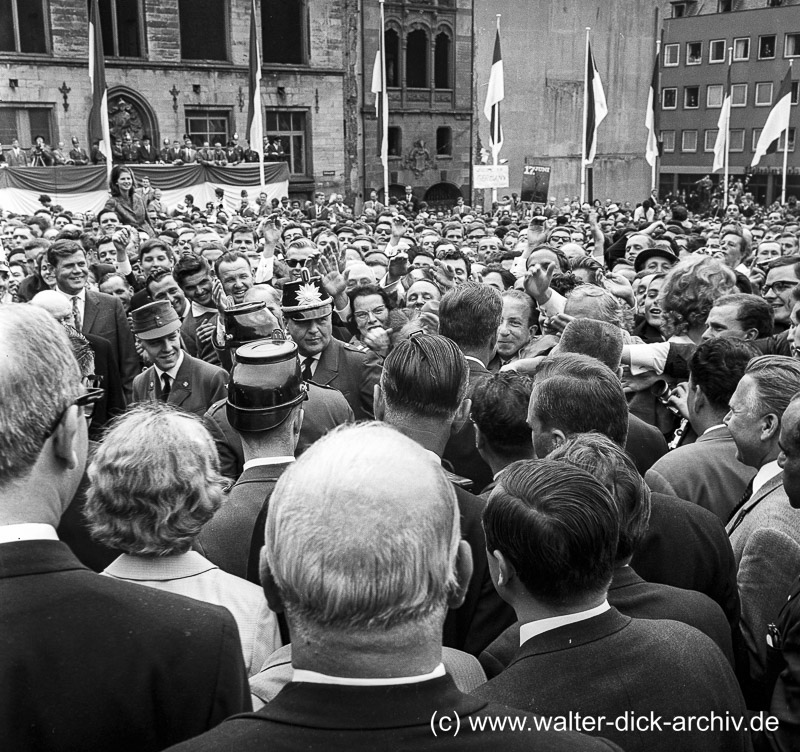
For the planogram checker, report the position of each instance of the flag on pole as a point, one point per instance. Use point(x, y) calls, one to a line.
point(723, 127)
point(596, 107)
point(98, 117)
point(495, 95)
point(651, 119)
point(255, 111)
point(381, 108)
point(777, 121)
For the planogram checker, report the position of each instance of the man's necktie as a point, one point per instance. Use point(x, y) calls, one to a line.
point(748, 492)
point(307, 363)
point(76, 313)
point(165, 387)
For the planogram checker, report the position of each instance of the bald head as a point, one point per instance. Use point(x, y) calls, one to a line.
point(55, 304)
point(265, 294)
point(362, 533)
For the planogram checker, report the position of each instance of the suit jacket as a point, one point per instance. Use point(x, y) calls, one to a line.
point(79, 156)
point(612, 665)
point(104, 317)
point(113, 401)
point(334, 718)
point(353, 371)
point(17, 158)
point(686, 547)
point(197, 386)
point(324, 409)
point(146, 154)
point(645, 444)
point(112, 665)
point(706, 473)
point(766, 546)
point(192, 344)
point(634, 597)
point(460, 451)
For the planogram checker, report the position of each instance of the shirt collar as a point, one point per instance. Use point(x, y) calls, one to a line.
point(199, 310)
point(313, 677)
point(765, 474)
point(79, 295)
point(264, 461)
point(475, 360)
point(188, 564)
point(173, 372)
point(713, 428)
point(25, 531)
point(535, 628)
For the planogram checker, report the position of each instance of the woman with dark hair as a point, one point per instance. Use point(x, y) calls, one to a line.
point(43, 278)
point(124, 200)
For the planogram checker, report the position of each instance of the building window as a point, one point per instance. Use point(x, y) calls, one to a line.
point(736, 139)
point(766, 47)
point(678, 10)
point(691, 97)
point(121, 24)
point(694, 53)
point(441, 62)
point(444, 142)
point(208, 125)
point(25, 123)
point(741, 49)
point(290, 128)
point(791, 46)
point(417, 60)
point(716, 51)
point(764, 94)
point(710, 139)
point(756, 136)
point(203, 28)
point(283, 31)
point(672, 55)
point(689, 141)
point(391, 43)
point(395, 141)
point(725, 6)
point(668, 141)
point(795, 87)
point(738, 95)
point(669, 98)
point(782, 140)
point(714, 95)
point(22, 28)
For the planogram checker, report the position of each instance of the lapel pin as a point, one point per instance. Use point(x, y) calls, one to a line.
point(186, 383)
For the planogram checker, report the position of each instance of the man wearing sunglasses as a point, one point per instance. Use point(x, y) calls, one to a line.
point(118, 659)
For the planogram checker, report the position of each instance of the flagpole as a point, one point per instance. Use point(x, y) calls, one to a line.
point(786, 151)
point(656, 103)
point(585, 108)
point(727, 132)
point(495, 151)
point(385, 108)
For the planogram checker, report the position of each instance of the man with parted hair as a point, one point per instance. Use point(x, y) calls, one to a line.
point(128, 668)
point(363, 555)
point(552, 532)
point(423, 394)
point(739, 316)
point(764, 529)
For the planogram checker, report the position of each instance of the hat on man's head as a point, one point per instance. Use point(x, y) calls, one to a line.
point(305, 298)
point(155, 320)
point(643, 257)
point(75, 140)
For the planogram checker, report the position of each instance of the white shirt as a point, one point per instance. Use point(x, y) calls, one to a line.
point(81, 296)
point(475, 360)
point(653, 356)
point(200, 310)
point(765, 474)
point(535, 628)
point(262, 461)
point(713, 428)
point(172, 373)
point(313, 677)
point(27, 531)
point(313, 365)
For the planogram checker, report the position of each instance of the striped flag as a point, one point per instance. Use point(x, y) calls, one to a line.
point(596, 107)
point(777, 121)
point(98, 117)
point(255, 112)
point(723, 127)
point(651, 119)
point(381, 108)
point(494, 96)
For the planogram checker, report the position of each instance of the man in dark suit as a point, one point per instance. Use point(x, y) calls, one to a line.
point(469, 314)
point(351, 369)
point(94, 312)
point(17, 157)
point(707, 472)
point(175, 376)
point(367, 673)
point(127, 668)
point(422, 394)
point(628, 592)
point(147, 153)
point(78, 154)
point(764, 529)
point(578, 653)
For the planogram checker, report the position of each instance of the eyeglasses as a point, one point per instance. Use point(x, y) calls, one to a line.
point(86, 402)
point(363, 316)
point(294, 263)
point(779, 287)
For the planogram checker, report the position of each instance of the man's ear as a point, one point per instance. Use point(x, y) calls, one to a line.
point(504, 569)
point(463, 575)
point(700, 400)
point(750, 335)
point(379, 404)
point(66, 437)
point(461, 417)
point(274, 600)
point(770, 427)
point(480, 440)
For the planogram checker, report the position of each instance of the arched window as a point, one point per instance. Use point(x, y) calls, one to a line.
point(441, 62)
point(391, 41)
point(417, 60)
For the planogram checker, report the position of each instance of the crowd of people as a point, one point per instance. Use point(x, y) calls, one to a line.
point(296, 476)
